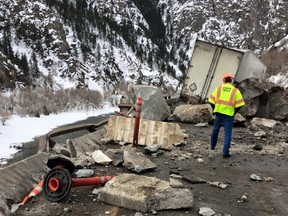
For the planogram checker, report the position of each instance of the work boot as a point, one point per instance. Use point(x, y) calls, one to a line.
point(226, 155)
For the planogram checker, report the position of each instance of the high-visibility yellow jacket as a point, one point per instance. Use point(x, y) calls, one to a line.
point(226, 98)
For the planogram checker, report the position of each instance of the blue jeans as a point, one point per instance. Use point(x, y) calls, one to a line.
point(227, 121)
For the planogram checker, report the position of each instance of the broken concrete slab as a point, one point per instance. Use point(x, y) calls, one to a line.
point(166, 134)
point(18, 179)
point(61, 149)
point(46, 143)
point(100, 158)
point(86, 144)
point(137, 162)
point(83, 161)
point(142, 193)
point(116, 155)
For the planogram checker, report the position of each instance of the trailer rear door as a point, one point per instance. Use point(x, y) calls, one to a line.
point(228, 62)
point(199, 66)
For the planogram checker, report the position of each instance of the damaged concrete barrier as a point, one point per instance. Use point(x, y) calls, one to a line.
point(18, 179)
point(151, 132)
point(142, 193)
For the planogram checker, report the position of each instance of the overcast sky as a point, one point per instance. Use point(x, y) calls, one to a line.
point(18, 129)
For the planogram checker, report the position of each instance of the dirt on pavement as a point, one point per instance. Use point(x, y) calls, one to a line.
point(263, 198)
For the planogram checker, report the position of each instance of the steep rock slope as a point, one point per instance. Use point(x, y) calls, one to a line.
point(102, 44)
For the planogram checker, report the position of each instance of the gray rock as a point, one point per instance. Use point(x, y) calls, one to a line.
point(255, 177)
point(152, 148)
point(260, 134)
point(218, 184)
point(175, 176)
point(116, 155)
point(176, 183)
point(97, 191)
point(154, 106)
point(258, 147)
point(154, 155)
point(270, 123)
point(275, 104)
point(200, 113)
point(205, 211)
point(243, 199)
point(100, 157)
point(84, 173)
point(269, 179)
point(205, 124)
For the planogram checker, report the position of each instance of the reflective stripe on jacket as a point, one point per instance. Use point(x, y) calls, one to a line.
point(226, 98)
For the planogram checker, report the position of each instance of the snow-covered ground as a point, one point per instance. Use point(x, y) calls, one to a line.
point(18, 129)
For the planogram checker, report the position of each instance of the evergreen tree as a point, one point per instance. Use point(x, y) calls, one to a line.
point(24, 65)
point(34, 70)
point(7, 48)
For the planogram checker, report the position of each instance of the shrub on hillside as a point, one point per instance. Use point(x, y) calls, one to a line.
point(5, 108)
point(34, 102)
point(28, 103)
point(84, 99)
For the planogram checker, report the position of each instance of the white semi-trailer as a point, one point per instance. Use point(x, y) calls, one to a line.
point(210, 62)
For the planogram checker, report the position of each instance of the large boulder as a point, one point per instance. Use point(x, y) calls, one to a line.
point(193, 113)
point(264, 99)
point(154, 106)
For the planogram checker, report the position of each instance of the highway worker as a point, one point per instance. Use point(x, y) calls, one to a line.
point(226, 100)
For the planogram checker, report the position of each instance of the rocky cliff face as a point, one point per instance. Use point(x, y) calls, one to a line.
point(96, 43)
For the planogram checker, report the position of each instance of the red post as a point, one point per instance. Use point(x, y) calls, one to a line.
point(55, 184)
point(76, 182)
point(137, 122)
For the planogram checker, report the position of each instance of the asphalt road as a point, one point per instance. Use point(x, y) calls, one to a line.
point(265, 198)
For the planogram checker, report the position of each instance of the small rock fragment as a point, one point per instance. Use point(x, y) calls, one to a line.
point(255, 177)
point(200, 160)
point(205, 211)
point(269, 179)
